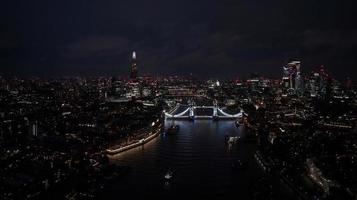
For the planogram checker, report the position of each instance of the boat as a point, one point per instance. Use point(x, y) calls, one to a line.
point(232, 139)
point(173, 129)
point(239, 122)
point(168, 175)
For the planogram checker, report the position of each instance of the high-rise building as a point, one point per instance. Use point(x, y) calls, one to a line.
point(318, 82)
point(35, 129)
point(134, 67)
point(292, 80)
point(314, 84)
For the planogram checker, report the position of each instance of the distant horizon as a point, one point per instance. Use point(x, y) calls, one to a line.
point(157, 75)
point(112, 70)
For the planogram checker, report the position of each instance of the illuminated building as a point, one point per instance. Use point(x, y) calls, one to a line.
point(35, 129)
point(292, 80)
point(314, 84)
point(133, 90)
point(134, 67)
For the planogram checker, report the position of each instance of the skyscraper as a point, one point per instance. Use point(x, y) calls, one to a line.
point(292, 80)
point(35, 129)
point(134, 68)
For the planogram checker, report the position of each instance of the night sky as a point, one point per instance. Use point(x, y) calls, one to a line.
point(223, 38)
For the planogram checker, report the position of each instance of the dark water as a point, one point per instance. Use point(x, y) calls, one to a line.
point(200, 159)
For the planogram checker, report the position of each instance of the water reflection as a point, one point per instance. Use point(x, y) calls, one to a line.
point(198, 155)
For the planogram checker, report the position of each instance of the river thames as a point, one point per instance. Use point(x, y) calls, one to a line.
point(201, 162)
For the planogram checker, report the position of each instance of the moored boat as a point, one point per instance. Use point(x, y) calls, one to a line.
point(239, 122)
point(173, 129)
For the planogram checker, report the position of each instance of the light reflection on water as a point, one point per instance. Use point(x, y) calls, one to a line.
point(198, 156)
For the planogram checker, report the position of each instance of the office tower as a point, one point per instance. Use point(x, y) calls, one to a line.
point(35, 129)
point(292, 80)
point(134, 68)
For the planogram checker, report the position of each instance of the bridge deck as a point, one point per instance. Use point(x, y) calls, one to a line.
point(201, 112)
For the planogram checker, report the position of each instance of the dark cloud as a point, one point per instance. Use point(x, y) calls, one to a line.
point(225, 38)
point(96, 46)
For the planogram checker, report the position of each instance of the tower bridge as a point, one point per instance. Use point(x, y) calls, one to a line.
point(190, 113)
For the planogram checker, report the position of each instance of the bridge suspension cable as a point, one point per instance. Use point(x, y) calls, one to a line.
point(177, 115)
point(229, 115)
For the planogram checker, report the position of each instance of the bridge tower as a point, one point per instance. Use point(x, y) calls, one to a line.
point(215, 110)
point(192, 113)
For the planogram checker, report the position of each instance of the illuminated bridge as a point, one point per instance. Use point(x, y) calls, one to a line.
point(192, 112)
